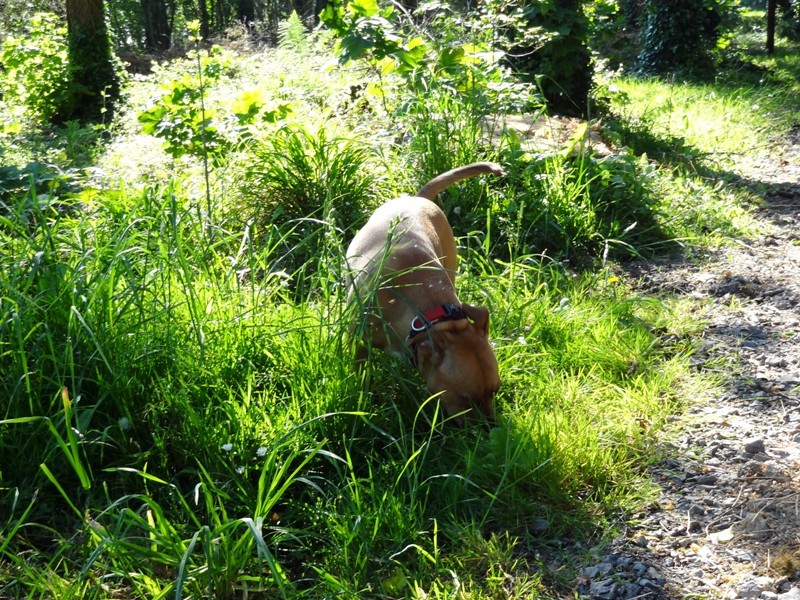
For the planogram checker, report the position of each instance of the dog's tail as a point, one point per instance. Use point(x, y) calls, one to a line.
point(448, 178)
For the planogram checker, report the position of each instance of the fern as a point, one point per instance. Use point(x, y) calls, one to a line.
point(292, 34)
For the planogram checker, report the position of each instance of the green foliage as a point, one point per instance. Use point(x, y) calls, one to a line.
point(191, 125)
point(17, 14)
point(460, 62)
point(613, 31)
point(364, 28)
point(215, 436)
point(181, 120)
point(57, 77)
point(560, 63)
point(94, 73)
point(582, 206)
point(214, 439)
point(33, 182)
point(684, 37)
point(302, 183)
point(303, 171)
point(788, 24)
point(447, 130)
point(292, 34)
point(35, 67)
point(569, 204)
point(80, 141)
point(546, 43)
point(126, 24)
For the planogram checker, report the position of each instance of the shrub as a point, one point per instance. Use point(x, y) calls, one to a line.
point(303, 184)
point(573, 205)
point(683, 37)
point(456, 56)
point(559, 60)
point(36, 67)
point(36, 184)
point(190, 124)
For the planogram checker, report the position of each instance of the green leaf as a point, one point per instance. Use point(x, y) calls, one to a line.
point(364, 8)
point(353, 47)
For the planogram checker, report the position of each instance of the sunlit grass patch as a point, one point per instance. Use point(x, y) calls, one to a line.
point(229, 443)
point(706, 139)
point(731, 122)
point(701, 214)
point(711, 118)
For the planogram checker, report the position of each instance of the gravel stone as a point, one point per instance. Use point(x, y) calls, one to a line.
point(753, 588)
point(605, 589)
point(755, 447)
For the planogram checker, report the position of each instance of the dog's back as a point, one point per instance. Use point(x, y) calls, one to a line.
point(416, 221)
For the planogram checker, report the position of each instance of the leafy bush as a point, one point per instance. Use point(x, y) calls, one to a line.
point(613, 30)
point(36, 67)
point(573, 205)
point(560, 60)
point(34, 180)
point(683, 37)
point(192, 125)
point(788, 24)
point(365, 29)
point(458, 61)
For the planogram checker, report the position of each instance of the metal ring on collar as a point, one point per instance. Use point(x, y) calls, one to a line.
point(418, 325)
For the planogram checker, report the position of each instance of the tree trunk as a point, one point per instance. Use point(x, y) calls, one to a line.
point(157, 33)
point(93, 81)
point(205, 24)
point(772, 6)
point(319, 6)
point(679, 37)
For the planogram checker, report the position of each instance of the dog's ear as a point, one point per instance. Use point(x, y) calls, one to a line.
point(428, 354)
point(480, 317)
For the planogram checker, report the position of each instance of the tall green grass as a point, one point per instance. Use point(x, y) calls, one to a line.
point(182, 424)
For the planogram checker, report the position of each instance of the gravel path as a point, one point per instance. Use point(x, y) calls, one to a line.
point(727, 523)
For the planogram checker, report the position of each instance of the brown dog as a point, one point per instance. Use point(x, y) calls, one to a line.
point(403, 265)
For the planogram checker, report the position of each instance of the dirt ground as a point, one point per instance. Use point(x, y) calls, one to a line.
point(727, 523)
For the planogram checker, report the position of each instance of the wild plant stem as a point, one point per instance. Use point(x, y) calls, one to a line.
point(206, 174)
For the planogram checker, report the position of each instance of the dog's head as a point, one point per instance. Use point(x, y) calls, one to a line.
point(457, 361)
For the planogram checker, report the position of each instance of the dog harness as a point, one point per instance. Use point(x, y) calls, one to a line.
point(423, 322)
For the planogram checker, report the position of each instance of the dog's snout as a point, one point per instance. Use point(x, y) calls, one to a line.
point(482, 406)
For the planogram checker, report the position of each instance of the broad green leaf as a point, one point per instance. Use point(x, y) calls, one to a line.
point(365, 8)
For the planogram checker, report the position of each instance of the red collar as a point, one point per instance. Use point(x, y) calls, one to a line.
point(423, 322)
